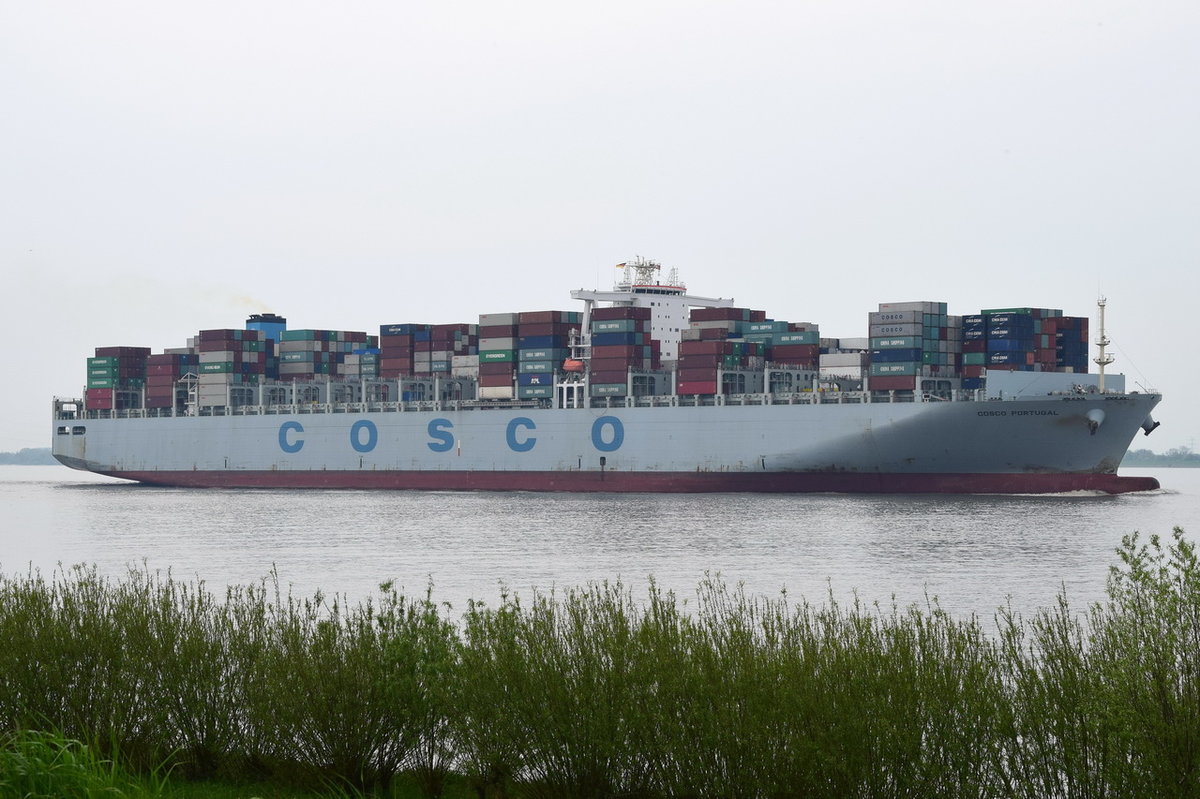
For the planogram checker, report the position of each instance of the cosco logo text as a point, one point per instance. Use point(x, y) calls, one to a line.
point(519, 435)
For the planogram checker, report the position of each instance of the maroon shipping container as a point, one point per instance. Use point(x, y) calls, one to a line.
point(496, 368)
point(975, 345)
point(497, 331)
point(720, 315)
point(616, 364)
point(696, 375)
point(617, 351)
point(536, 317)
point(696, 387)
point(705, 348)
point(713, 333)
point(699, 361)
point(124, 353)
point(401, 365)
point(790, 353)
point(227, 334)
point(892, 383)
point(396, 342)
point(613, 376)
point(491, 381)
point(620, 312)
point(972, 370)
point(160, 381)
point(545, 328)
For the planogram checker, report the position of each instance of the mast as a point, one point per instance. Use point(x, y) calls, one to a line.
point(1104, 359)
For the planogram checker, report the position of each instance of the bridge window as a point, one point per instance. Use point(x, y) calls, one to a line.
point(78, 430)
point(62, 431)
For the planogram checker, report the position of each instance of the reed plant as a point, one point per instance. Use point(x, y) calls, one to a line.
point(588, 692)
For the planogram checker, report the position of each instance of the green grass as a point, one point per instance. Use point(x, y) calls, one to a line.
point(591, 693)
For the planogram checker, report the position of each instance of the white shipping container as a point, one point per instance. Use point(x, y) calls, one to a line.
point(897, 330)
point(921, 307)
point(464, 371)
point(488, 344)
point(223, 356)
point(496, 392)
point(895, 317)
point(497, 319)
point(850, 372)
point(464, 360)
point(842, 359)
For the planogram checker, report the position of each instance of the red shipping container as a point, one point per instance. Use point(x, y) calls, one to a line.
point(98, 398)
point(972, 370)
point(713, 333)
point(758, 316)
point(893, 383)
point(975, 345)
point(496, 380)
point(697, 387)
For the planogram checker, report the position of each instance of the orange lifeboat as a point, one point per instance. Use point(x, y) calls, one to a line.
point(572, 365)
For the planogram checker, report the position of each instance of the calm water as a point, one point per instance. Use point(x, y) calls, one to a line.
point(973, 553)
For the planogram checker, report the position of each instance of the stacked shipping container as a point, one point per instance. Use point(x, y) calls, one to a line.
point(621, 346)
point(910, 341)
point(229, 359)
point(115, 377)
point(1022, 339)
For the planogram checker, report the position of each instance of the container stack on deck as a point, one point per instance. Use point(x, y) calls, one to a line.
point(163, 373)
point(714, 354)
point(912, 341)
point(310, 354)
point(115, 377)
point(230, 360)
point(497, 355)
point(621, 347)
point(543, 341)
point(1022, 339)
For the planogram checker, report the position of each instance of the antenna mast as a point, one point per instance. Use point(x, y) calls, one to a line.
point(1104, 359)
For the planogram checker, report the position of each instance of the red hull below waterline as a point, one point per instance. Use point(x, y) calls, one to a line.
point(653, 482)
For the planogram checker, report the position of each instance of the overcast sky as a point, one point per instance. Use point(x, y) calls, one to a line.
point(167, 167)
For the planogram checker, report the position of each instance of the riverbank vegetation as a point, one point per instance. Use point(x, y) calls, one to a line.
point(592, 693)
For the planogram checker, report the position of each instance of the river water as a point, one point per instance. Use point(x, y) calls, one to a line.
point(973, 553)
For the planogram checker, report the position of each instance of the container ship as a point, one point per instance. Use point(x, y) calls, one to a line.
point(645, 388)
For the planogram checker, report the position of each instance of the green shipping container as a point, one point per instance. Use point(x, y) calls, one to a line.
point(103, 361)
point(906, 369)
point(534, 392)
point(216, 368)
point(497, 356)
point(608, 389)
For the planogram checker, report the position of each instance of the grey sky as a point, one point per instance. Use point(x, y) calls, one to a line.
point(167, 167)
